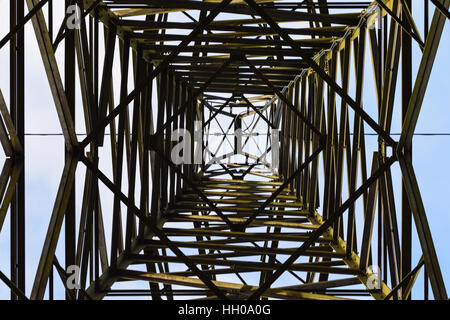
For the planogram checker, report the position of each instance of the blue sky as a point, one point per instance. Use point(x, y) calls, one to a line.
point(44, 155)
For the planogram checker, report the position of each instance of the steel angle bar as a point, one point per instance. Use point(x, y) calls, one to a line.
point(106, 87)
point(283, 186)
point(13, 287)
point(328, 223)
point(223, 106)
point(281, 96)
point(152, 228)
point(22, 23)
point(63, 275)
point(423, 77)
point(11, 171)
point(191, 184)
point(423, 229)
point(314, 66)
point(414, 35)
point(369, 218)
point(155, 72)
point(258, 112)
point(261, 157)
point(9, 124)
point(64, 31)
point(409, 279)
point(191, 98)
point(441, 8)
point(56, 220)
point(54, 77)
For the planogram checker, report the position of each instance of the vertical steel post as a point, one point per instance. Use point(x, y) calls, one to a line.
point(406, 223)
point(69, 86)
point(17, 97)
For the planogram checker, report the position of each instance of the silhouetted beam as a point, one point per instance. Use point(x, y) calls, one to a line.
point(242, 30)
point(320, 43)
point(279, 15)
point(235, 69)
point(236, 82)
point(303, 267)
point(248, 90)
point(225, 76)
point(241, 249)
point(228, 50)
point(185, 281)
point(243, 235)
point(220, 60)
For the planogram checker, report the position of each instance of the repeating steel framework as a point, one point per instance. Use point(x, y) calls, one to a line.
point(316, 224)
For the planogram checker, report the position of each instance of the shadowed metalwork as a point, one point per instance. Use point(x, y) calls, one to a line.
point(319, 223)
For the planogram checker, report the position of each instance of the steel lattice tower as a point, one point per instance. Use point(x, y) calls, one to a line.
point(302, 206)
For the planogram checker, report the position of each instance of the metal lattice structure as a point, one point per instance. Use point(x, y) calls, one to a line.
point(237, 225)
